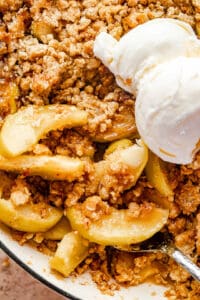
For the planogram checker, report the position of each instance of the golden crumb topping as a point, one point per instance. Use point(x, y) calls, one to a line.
point(46, 58)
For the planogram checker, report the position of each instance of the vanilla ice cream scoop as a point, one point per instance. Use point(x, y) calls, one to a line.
point(158, 62)
point(143, 47)
point(168, 109)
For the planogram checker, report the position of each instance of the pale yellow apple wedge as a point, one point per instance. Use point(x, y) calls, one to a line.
point(30, 217)
point(71, 251)
point(55, 167)
point(133, 156)
point(117, 228)
point(28, 125)
point(117, 145)
point(57, 232)
point(156, 175)
point(122, 155)
point(123, 126)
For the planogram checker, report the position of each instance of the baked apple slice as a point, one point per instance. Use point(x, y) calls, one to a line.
point(117, 228)
point(28, 125)
point(123, 126)
point(157, 176)
point(57, 167)
point(57, 232)
point(117, 145)
point(131, 156)
point(29, 217)
point(71, 251)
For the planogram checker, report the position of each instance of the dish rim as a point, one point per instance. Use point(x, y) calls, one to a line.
point(34, 274)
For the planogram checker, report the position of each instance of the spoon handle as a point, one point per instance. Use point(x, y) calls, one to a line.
point(186, 263)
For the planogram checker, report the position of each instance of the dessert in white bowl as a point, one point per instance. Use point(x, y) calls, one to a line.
point(92, 170)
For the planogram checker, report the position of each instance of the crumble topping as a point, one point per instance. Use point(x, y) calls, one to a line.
point(46, 50)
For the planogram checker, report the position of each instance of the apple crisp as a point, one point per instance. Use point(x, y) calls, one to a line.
point(47, 60)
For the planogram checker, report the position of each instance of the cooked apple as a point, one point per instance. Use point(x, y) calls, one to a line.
point(117, 228)
point(123, 126)
point(55, 167)
point(157, 176)
point(57, 232)
point(28, 125)
point(117, 145)
point(71, 251)
point(128, 161)
point(134, 157)
point(29, 217)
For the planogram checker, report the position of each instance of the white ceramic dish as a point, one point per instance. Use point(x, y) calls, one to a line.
point(81, 288)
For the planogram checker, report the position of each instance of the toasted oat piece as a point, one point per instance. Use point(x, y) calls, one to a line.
point(9, 92)
point(41, 29)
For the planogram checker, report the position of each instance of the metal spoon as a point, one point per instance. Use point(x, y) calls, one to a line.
point(162, 241)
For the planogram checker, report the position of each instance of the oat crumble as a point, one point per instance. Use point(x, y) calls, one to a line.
point(46, 50)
